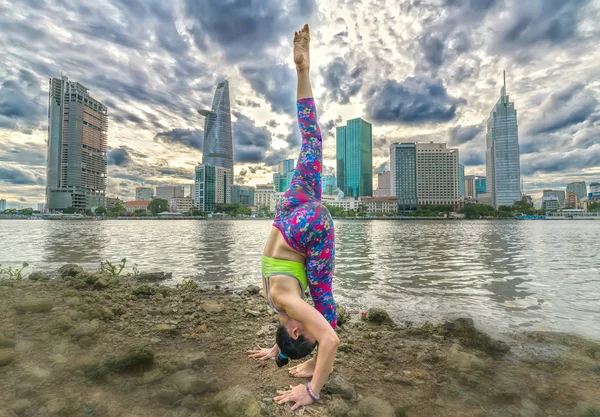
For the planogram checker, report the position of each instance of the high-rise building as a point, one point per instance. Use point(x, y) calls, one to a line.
point(354, 158)
point(218, 146)
point(550, 202)
point(594, 193)
point(2, 205)
point(403, 178)
point(437, 174)
point(579, 188)
point(212, 186)
point(328, 184)
point(559, 194)
point(144, 193)
point(474, 185)
point(181, 204)
point(286, 165)
point(571, 200)
point(263, 195)
point(167, 192)
point(77, 143)
point(461, 180)
point(502, 159)
point(111, 202)
point(480, 186)
point(242, 194)
point(282, 179)
point(384, 188)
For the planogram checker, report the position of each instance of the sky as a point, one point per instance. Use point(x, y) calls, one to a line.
point(418, 70)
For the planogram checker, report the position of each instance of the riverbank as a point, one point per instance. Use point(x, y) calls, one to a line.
point(86, 344)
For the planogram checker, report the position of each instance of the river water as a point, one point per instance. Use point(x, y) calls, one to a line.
point(506, 275)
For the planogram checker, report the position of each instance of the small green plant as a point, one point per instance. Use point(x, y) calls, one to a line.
point(135, 271)
point(13, 273)
point(188, 284)
point(113, 270)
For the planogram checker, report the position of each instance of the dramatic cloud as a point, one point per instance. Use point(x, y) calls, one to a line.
point(250, 141)
point(186, 137)
point(415, 100)
point(20, 176)
point(276, 83)
point(341, 82)
point(463, 134)
point(119, 157)
point(559, 162)
point(20, 104)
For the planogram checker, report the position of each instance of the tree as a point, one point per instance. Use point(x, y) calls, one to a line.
point(89, 212)
point(140, 213)
point(158, 205)
point(26, 212)
point(101, 211)
point(264, 211)
point(118, 211)
point(195, 212)
point(69, 210)
point(594, 206)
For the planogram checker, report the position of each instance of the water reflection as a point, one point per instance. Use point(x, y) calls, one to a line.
point(73, 242)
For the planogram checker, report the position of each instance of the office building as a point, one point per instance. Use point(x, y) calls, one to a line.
point(480, 186)
point(384, 186)
point(579, 188)
point(181, 204)
point(403, 175)
point(212, 187)
point(282, 179)
point(275, 197)
point(559, 194)
point(502, 161)
point(167, 192)
point(2, 205)
point(286, 165)
point(571, 200)
point(218, 145)
point(77, 145)
point(550, 202)
point(486, 199)
point(474, 185)
point(354, 158)
point(132, 206)
point(461, 180)
point(594, 193)
point(328, 184)
point(263, 194)
point(242, 194)
point(349, 203)
point(437, 174)
point(111, 202)
point(144, 193)
point(374, 205)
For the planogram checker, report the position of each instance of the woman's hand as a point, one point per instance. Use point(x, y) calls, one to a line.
point(298, 395)
point(265, 353)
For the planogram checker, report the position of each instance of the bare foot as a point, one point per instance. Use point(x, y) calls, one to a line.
point(304, 370)
point(302, 49)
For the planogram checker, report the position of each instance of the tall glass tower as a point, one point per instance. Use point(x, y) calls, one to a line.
point(218, 147)
point(502, 161)
point(354, 158)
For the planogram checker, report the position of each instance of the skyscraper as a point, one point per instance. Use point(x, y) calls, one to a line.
point(284, 175)
point(144, 193)
point(579, 188)
point(328, 184)
point(502, 160)
point(559, 194)
point(354, 158)
point(77, 142)
point(218, 146)
point(212, 186)
point(403, 181)
point(2, 205)
point(384, 184)
point(286, 165)
point(167, 192)
point(474, 185)
point(461, 180)
point(242, 194)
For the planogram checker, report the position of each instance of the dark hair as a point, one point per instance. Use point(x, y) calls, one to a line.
point(291, 348)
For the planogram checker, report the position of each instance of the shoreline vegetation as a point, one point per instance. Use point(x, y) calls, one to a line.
point(115, 342)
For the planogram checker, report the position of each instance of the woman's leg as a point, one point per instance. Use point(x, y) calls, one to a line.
point(306, 182)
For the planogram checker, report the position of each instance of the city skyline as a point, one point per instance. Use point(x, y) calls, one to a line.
point(428, 73)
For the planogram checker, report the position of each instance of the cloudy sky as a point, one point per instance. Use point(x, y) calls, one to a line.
point(419, 70)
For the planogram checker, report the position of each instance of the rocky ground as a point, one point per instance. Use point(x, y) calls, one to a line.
point(87, 344)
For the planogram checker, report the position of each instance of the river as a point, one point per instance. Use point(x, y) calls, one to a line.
point(506, 275)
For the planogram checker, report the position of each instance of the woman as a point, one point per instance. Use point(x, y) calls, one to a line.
point(300, 253)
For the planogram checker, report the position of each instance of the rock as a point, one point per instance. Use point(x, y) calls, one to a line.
point(24, 345)
point(101, 284)
point(70, 270)
point(86, 329)
point(264, 330)
point(199, 360)
point(38, 276)
point(189, 402)
point(400, 411)
point(6, 357)
point(137, 358)
point(338, 407)
point(212, 306)
point(144, 291)
point(375, 407)
point(190, 382)
point(20, 406)
point(529, 409)
point(587, 410)
point(6, 340)
point(167, 396)
point(62, 323)
point(253, 313)
point(166, 329)
point(460, 323)
point(73, 301)
point(153, 276)
point(463, 361)
point(56, 406)
point(34, 305)
point(253, 289)
point(379, 316)
point(338, 385)
point(236, 402)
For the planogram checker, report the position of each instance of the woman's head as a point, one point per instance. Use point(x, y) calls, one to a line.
point(294, 342)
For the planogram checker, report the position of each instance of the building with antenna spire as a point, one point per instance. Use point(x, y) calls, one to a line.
point(502, 160)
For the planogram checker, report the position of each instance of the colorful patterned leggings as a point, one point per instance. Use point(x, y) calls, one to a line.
point(304, 222)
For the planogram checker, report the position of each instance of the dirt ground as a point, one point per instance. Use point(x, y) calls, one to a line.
point(86, 344)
